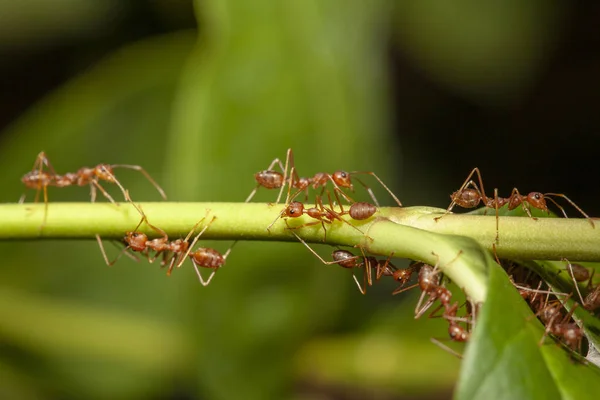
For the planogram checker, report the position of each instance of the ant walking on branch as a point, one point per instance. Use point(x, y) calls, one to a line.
point(470, 195)
point(271, 179)
point(346, 259)
point(43, 175)
point(173, 252)
point(357, 211)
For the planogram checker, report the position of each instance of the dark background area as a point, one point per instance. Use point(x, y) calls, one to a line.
point(544, 139)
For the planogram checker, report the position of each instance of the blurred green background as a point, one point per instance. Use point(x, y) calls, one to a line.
point(204, 94)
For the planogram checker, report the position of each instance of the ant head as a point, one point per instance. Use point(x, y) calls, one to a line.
point(294, 210)
point(136, 240)
point(342, 179)
point(457, 333)
point(104, 172)
point(402, 275)
point(537, 200)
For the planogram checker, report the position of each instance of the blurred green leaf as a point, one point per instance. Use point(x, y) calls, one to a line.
point(490, 52)
point(107, 114)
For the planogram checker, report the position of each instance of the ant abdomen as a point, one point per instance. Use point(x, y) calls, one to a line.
point(269, 179)
point(344, 258)
point(362, 210)
point(207, 257)
point(467, 198)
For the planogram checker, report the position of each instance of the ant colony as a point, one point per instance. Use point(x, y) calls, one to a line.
point(333, 204)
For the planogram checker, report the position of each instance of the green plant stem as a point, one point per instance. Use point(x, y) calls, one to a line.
point(410, 232)
point(523, 238)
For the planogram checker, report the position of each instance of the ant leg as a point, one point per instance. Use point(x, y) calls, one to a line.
point(404, 289)
point(524, 204)
point(570, 202)
point(45, 207)
point(293, 178)
point(320, 221)
point(589, 284)
point(318, 256)
point(111, 263)
point(446, 348)
point(497, 219)
point(381, 269)
point(362, 290)
point(40, 161)
point(570, 268)
point(380, 182)
point(94, 184)
point(202, 281)
point(197, 236)
point(289, 163)
point(370, 191)
point(146, 175)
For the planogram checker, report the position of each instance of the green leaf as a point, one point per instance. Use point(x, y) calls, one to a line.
point(504, 360)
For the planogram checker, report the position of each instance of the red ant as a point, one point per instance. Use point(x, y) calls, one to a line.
point(271, 179)
point(591, 302)
point(39, 179)
point(322, 214)
point(403, 275)
point(470, 195)
point(569, 332)
point(205, 257)
point(457, 333)
point(340, 179)
point(429, 283)
point(172, 251)
point(346, 259)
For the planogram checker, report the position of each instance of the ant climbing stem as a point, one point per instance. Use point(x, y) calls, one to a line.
point(321, 214)
point(570, 268)
point(206, 257)
point(39, 179)
point(465, 197)
point(430, 285)
point(571, 333)
point(470, 195)
point(270, 179)
point(403, 275)
point(348, 260)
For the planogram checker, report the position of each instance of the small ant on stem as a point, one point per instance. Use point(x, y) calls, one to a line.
point(271, 179)
point(205, 257)
point(470, 195)
point(322, 214)
point(40, 179)
point(172, 251)
point(348, 260)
